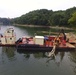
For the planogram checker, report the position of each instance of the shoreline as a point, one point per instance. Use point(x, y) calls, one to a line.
point(54, 27)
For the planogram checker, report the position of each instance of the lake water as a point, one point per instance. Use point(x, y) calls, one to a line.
point(13, 62)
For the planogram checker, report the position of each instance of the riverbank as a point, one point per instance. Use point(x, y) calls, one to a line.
point(55, 27)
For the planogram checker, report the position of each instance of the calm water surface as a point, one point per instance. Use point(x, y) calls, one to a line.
point(13, 62)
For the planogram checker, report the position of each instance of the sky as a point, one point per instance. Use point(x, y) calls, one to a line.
point(16, 8)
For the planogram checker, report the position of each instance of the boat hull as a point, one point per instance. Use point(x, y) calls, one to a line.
point(8, 45)
point(29, 47)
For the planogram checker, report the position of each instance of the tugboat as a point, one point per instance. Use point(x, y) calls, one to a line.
point(8, 38)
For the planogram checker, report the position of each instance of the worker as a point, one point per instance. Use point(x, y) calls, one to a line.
point(56, 41)
point(64, 36)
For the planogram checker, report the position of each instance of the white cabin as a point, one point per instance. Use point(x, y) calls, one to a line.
point(9, 37)
point(39, 40)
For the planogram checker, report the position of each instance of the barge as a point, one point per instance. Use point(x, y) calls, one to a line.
point(41, 43)
point(36, 43)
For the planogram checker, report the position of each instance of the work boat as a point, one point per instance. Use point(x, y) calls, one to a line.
point(42, 43)
point(8, 38)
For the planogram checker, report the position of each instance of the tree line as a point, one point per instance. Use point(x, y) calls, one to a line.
point(5, 21)
point(46, 18)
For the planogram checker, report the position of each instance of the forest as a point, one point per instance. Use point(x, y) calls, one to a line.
point(5, 21)
point(45, 17)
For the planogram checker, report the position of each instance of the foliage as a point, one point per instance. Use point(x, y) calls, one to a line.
point(47, 17)
point(4, 21)
point(37, 17)
point(72, 20)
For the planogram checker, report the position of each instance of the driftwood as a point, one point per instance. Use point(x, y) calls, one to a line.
point(52, 52)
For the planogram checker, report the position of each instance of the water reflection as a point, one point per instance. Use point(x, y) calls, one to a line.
point(27, 56)
point(36, 55)
point(36, 59)
point(14, 62)
point(41, 30)
point(36, 30)
point(73, 59)
point(9, 52)
point(58, 58)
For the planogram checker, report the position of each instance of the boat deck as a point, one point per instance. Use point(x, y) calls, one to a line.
point(72, 41)
point(48, 45)
point(67, 45)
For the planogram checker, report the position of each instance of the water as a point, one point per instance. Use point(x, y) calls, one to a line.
point(13, 62)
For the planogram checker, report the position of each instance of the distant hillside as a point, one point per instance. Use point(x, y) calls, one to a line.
point(46, 17)
point(4, 21)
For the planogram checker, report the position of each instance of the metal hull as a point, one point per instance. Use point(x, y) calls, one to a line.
point(28, 47)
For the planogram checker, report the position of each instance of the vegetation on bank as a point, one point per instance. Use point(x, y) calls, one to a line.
point(46, 17)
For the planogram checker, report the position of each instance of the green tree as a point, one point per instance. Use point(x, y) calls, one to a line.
point(46, 17)
point(72, 20)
